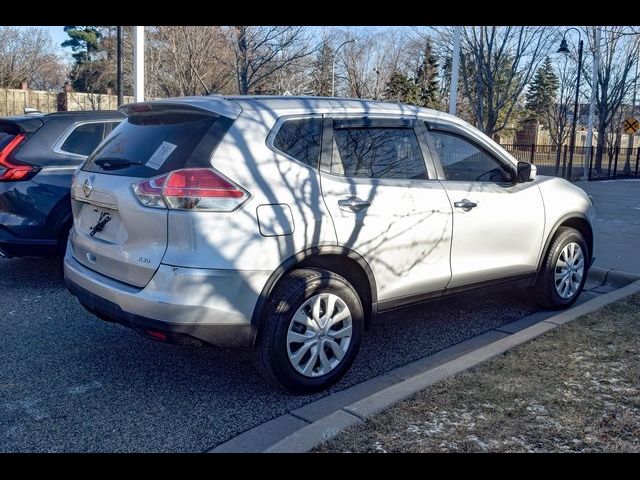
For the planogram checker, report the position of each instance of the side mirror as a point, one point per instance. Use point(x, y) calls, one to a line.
point(526, 172)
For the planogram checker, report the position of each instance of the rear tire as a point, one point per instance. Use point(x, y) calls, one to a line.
point(311, 331)
point(564, 270)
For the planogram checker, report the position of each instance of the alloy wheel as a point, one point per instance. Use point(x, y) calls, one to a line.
point(569, 270)
point(319, 335)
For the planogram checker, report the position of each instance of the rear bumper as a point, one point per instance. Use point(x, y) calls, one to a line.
point(12, 246)
point(211, 306)
point(32, 213)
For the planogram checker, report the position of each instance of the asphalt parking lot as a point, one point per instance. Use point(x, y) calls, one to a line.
point(70, 382)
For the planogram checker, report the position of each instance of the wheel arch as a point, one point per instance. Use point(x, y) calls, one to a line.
point(576, 220)
point(340, 260)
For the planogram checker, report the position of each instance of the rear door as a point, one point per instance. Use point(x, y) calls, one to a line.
point(114, 233)
point(387, 205)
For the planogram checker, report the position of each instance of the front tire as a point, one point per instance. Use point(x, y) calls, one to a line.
point(564, 271)
point(311, 332)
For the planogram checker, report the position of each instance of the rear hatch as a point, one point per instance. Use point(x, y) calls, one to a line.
point(118, 229)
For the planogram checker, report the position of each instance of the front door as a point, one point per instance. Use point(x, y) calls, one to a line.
point(498, 224)
point(387, 205)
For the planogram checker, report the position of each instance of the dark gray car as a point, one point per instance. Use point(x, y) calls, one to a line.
point(38, 156)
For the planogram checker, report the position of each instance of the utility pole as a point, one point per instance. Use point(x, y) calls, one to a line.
point(138, 61)
point(119, 86)
point(592, 105)
point(455, 66)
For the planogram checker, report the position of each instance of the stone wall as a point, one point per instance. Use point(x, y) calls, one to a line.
point(14, 101)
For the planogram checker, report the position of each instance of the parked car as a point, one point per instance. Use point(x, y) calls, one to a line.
point(287, 223)
point(38, 156)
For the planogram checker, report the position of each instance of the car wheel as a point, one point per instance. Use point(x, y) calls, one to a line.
point(564, 270)
point(311, 331)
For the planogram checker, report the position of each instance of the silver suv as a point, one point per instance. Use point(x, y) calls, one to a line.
point(287, 223)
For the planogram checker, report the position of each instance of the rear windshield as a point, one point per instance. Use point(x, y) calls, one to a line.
point(148, 145)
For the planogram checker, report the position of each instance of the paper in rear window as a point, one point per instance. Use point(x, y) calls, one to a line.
point(160, 155)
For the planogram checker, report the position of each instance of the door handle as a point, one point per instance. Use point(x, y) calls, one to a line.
point(465, 204)
point(354, 204)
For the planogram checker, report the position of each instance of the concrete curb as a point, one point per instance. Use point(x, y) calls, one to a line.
point(609, 278)
point(319, 421)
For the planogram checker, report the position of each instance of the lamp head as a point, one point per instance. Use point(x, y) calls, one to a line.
point(564, 48)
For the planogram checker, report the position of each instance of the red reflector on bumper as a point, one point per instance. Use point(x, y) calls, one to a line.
point(156, 335)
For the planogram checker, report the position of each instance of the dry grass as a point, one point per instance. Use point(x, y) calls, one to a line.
point(574, 389)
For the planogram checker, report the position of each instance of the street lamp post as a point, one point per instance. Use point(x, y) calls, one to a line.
point(333, 70)
point(565, 50)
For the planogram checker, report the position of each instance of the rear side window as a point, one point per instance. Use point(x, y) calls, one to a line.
point(300, 139)
point(84, 139)
point(109, 127)
point(147, 145)
point(5, 138)
point(378, 152)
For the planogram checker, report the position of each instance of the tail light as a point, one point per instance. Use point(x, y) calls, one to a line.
point(10, 172)
point(191, 189)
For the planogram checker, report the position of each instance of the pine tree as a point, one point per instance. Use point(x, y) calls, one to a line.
point(82, 40)
point(92, 71)
point(427, 79)
point(401, 89)
point(543, 90)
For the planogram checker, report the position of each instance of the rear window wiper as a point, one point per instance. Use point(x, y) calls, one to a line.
point(115, 163)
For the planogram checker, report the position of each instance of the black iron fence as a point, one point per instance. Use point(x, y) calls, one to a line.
point(588, 163)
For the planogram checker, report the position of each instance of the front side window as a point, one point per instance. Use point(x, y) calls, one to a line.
point(300, 139)
point(378, 152)
point(462, 160)
point(84, 139)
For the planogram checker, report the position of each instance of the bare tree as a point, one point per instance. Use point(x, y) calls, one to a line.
point(497, 64)
point(195, 60)
point(367, 65)
point(618, 54)
point(296, 78)
point(29, 54)
point(261, 51)
point(556, 114)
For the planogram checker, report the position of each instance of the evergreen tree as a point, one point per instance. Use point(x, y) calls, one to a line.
point(322, 67)
point(427, 79)
point(542, 93)
point(92, 71)
point(401, 89)
point(82, 40)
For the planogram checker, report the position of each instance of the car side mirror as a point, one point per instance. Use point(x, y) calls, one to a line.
point(526, 172)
